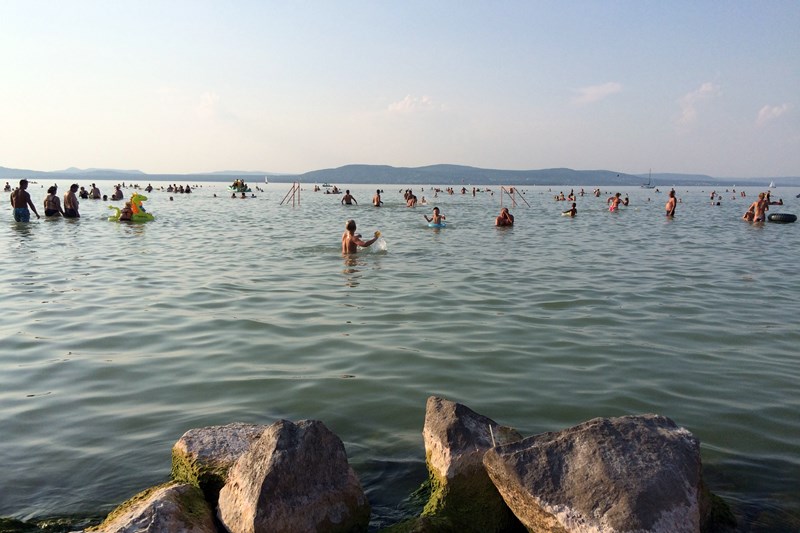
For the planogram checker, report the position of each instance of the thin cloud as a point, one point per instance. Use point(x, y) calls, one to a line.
point(212, 108)
point(595, 93)
point(209, 105)
point(691, 100)
point(768, 113)
point(411, 104)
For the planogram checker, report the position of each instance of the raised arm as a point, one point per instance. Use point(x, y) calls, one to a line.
point(364, 244)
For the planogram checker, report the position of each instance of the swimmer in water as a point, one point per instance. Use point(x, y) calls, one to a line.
point(571, 212)
point(436, 218)
point(351, 241)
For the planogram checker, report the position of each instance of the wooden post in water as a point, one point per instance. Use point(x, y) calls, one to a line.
point(295, 194)
point(512, 193)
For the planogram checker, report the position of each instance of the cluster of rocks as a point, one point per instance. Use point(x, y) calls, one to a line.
point(632, 473)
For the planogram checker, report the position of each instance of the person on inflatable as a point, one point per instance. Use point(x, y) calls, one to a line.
point(436, 218)
point(137, 211)
point(126, 212)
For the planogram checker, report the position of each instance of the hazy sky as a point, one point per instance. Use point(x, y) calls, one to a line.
point(696, 86)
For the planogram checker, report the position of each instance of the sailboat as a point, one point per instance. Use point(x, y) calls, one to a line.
point(649, 184)
point(266, 180)
point(771, 184)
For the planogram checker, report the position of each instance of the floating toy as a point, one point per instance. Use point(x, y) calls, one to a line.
point(138, 212)
point(439, 225)
point(784, 218)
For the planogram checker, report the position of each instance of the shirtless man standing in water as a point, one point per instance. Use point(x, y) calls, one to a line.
point(71, 202)
point(351, 241)
point(20, 201)
point(376, 200)
point(670, 206)
point(348, 198)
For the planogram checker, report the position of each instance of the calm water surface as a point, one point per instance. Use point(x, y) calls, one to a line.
point(117, 338)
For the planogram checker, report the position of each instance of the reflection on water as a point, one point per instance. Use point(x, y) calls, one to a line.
point(119, 337)
point(352, 269)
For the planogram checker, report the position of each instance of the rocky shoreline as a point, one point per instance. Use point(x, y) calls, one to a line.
point(630, 473)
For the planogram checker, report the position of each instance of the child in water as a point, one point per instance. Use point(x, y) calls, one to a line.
point(126, 212)
point(436, 218)
point(351, 240)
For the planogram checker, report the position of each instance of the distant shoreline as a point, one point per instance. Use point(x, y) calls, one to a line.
point(454, 175)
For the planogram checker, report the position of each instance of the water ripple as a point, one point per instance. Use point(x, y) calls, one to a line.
point(121, 337)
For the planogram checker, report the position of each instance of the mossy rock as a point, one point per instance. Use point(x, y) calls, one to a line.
point(423, 524)
point(467, 503)
point(718, 517)
point(202, 457)
point(208, 477)
point(191, 508)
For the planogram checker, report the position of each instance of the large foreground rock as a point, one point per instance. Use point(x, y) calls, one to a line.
point(295, 477)
point(203, 456)
point(456, 439)
point(173, 508)
point(633, 473)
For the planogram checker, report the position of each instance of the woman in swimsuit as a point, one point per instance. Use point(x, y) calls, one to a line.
point(615, 200)
point(52, 203)
point(760, 208)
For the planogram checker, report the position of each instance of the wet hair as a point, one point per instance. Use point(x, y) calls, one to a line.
point(350, 225)
point(23, 182)
point(435, 208)
point(51, 189)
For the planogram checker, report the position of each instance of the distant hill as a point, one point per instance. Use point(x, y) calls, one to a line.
point(665, 179)
point(95, 171)
point(238, 173)
point(464, 175)
point(455, 175)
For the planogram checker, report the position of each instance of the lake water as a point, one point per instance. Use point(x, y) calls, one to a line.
point(117, 338)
